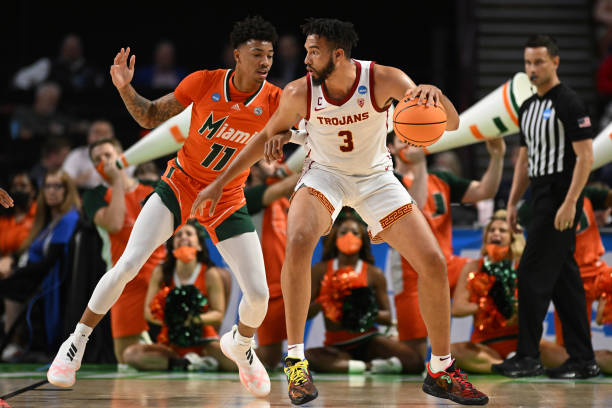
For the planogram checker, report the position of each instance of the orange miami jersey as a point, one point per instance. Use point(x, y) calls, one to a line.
point(223, 121)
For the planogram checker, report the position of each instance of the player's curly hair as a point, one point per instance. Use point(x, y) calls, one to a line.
point(341, 34)
point(252, 28)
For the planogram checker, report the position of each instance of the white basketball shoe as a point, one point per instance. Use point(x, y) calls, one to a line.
point(253, 374)
point(67, 361)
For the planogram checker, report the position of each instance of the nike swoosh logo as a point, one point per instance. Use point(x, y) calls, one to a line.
point(291, 348)
point(318, 109)
point(445, 358)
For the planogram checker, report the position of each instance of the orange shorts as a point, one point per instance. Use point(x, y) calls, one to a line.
point(410, 324)
point(273, 330)
point(127, 314)
point(184, 190)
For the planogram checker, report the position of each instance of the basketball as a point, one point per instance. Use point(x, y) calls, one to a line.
point(418, 125)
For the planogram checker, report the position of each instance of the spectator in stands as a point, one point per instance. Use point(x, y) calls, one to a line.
point(69, 69)
point(288, 63)
point(42, 119)
point(53, 153)
point(78, 164)
point(114, 207)
point(345, 276)
point(164, 74)
point(188, 264)
point(47, 244)
point(147, 171)
point(15, 224)
point(14, 229)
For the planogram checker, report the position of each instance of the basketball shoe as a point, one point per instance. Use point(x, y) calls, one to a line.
point(301, 387)
point(253, 374)
point(453, 384)
point(67, 361)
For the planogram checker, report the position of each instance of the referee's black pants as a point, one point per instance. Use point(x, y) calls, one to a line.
point(548, 271)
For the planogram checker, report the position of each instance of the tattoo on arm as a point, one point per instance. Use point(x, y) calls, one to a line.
point(150, 114)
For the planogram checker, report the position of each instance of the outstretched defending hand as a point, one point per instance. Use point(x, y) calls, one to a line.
point(273, 149)
point(426, 94)
point(121, 73)
point(212, 193)
point(5, 199)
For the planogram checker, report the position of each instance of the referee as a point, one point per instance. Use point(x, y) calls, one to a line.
point(555, 156)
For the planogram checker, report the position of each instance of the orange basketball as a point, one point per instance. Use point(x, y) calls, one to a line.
point(419, 125)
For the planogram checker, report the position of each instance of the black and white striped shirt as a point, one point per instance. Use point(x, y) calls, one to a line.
point(548, 126)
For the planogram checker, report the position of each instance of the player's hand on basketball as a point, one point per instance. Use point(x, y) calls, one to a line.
point(273, 149)
point(425, 94)
point(564, 219)
point(121, 72)
point(5, 199)
point(211, 194)
point(496, 147)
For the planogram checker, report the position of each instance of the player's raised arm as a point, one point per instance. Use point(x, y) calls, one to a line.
point(291, 108)
point(148, 114)
point(392, 83)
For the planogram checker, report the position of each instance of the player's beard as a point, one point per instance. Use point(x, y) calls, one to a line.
point(322, 75)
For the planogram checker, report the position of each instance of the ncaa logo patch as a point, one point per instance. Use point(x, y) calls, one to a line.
point(546, 113)
point(216, 97)
point(258, 110)
point(362, 89)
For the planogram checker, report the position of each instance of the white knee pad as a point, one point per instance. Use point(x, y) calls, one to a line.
point(244, 257)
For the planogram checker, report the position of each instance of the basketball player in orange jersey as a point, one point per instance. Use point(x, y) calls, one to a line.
point(114, 209)
point(344, 102)
point(229, 108)
point(434, 192)
point(588, 253)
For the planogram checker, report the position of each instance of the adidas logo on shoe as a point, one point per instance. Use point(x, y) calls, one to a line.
point(249, 356)
point(71, 352)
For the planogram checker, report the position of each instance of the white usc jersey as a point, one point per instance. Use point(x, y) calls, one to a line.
point(348, 136)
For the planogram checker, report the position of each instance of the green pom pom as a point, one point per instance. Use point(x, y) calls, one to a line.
point(182, 304)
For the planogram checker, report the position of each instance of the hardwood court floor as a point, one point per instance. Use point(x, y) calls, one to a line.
point(101, 387)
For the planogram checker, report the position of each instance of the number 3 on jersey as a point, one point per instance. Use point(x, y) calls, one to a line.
point(215, 149)
point(348, 141)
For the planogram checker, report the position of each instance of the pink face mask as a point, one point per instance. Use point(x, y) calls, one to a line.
point(349, 243)
point(185, 254)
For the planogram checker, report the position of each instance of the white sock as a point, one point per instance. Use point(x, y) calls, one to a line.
point(82, 330)
point(296, 351)
point(439, 363)
point(356, 367)
point(241, 340)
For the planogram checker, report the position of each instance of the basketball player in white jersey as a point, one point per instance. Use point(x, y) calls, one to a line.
point(344, 103)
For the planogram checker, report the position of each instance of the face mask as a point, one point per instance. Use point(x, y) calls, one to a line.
point(185, 254)
point(21, 199)
point(348, 243)
point(497, 252)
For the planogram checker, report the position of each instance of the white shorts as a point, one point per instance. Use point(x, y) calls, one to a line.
point(379, 199)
